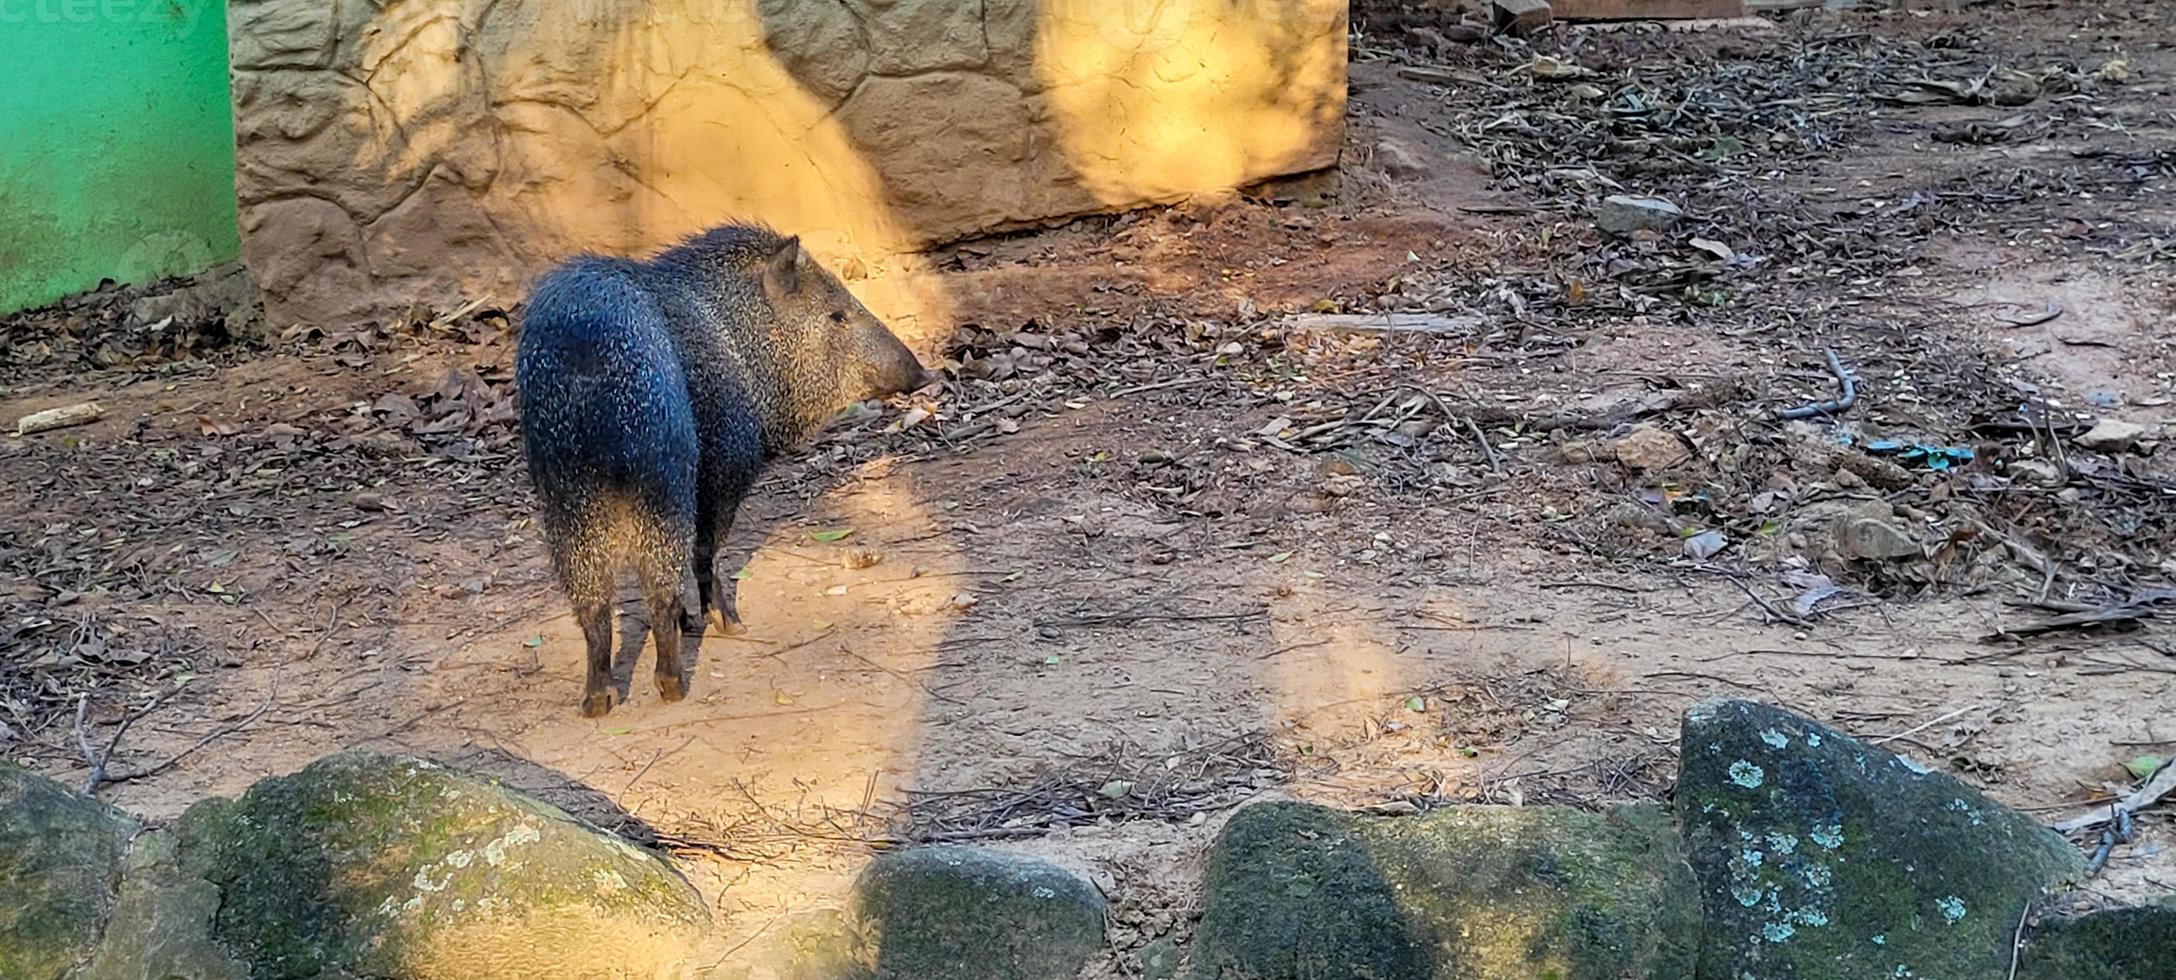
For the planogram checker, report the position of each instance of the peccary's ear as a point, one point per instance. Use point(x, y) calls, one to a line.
point(782, 271)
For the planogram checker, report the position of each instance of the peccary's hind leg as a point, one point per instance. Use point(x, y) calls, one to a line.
point(595, 615)
point(586, 567)
point(663, 593)
point(664, 571)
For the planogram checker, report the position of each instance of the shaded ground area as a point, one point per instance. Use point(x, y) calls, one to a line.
point(1167, 542)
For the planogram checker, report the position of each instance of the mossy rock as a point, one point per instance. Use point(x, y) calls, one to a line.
point(60, 862)
point(964, 913)
point(2115, 944)
point(1465, 893)
point(1823, 858)
point(368, 865)
point(161, 923)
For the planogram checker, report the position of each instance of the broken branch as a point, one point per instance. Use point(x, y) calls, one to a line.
point(1849, 397)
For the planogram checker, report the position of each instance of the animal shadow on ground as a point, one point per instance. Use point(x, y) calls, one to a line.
point(587, 803)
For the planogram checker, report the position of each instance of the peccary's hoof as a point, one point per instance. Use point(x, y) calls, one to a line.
point(597, 705)
point(671, 687)
point(726, 621)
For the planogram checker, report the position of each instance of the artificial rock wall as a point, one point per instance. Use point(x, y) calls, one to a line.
point(426, 151)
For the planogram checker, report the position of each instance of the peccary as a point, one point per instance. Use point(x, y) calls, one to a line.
point(652, 393)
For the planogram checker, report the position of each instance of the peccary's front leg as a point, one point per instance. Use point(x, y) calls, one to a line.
point(724, 591)
point(713, 580)
point(693, 607)
point(732, 458)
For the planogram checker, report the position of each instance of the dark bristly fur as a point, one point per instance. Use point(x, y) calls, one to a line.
point(652, 394)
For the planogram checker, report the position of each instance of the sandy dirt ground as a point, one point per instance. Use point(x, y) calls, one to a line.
point(1162, 544)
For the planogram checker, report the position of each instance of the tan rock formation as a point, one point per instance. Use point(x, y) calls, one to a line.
point(433, 150)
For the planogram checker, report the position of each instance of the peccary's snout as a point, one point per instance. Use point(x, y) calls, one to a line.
point(901, 370)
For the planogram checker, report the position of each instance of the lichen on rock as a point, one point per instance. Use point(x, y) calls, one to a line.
point(161, 924)
point(1474, 893)
point(2112, 944)
point(60, 861)
point(975, 914)
point(1822, 857)
point(380, 866)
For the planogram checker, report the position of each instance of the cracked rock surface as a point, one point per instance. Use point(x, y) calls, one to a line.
point(428, 152)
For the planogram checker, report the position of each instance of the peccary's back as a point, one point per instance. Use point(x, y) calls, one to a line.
point(604, 401)
point(712, 303)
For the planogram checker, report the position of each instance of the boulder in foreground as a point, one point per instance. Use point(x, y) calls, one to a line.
point(967, 913)
point(1823, 858)
point(370, 865)
point(1469, 892)
point(60, 863)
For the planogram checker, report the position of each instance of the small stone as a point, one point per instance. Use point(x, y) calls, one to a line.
point(855, 559)
point(1705, 545)
point(1623, 214)
point(1872, 533)
point(225, 294)
point(2113, 436)
point(1404, 160)
point(2036, 472)
point(1867, 470)
point(1342, 486)
point(1520, 18)
point(1649, 448)
point(1417, 428)
point(1577, 451)
point(968, 913)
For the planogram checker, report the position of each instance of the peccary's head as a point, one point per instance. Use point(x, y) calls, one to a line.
point(832, 351)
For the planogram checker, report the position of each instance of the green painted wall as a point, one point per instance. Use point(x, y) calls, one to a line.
point(116, 144)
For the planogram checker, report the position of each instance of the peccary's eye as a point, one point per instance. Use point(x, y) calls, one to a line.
point(838, 317)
